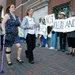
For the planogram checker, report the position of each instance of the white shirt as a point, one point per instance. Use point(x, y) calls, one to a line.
point(31, 24)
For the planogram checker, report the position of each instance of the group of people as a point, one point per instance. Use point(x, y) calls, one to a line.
point(63, 38)
point(9, 27)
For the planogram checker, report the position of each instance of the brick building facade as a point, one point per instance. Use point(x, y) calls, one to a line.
point(41, 7)
point(38, 5)
point(3, 4)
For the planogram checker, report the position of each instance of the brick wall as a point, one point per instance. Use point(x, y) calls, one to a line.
point(22, 9)
point(26, 5)
point(53, 3)
point(73, 5)
point(10, 2)
point(19, 10)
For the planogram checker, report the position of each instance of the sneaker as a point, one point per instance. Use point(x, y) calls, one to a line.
point(52, 48)
point(69, 53)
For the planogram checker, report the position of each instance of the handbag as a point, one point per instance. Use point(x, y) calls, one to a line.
point(9, 37)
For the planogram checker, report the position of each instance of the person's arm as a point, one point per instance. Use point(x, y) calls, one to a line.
point(6, 17)
point(0, 28)
point(23, 23)
point(38, 25)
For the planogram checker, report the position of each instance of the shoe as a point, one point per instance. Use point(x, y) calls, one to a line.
point(40, 46)
point(19, 60)
point(43, 46)
point(52, 48)
point(31, 62)
point(73, 54)
point(63, 50)
point(69, 53)
point(46, 45)
point(9, 63)
point(58, 50)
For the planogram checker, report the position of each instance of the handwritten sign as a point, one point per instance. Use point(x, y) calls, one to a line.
point(43, 30)
point(64, 25)
point(49, 19)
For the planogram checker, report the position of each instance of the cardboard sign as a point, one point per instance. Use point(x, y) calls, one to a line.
point(43, 30)
point(49, 19)
point(64, 25)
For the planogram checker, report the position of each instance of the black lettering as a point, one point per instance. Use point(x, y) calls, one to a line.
point(73, 23)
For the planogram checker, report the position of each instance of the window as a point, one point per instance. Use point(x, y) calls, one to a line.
point(64, 7)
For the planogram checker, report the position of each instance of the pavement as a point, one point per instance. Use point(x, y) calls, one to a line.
point(47, 62)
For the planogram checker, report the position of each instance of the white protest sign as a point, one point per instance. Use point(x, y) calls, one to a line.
point(64, 25)
point(70, 24)
point(43, 30)
point(49, 19)
point(59, 25)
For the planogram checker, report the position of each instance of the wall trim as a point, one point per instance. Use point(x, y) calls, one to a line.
point(39, 4)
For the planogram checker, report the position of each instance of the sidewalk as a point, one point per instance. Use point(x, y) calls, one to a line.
point(47, 62)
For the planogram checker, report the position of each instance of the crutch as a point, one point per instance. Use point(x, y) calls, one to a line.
point(2, 55)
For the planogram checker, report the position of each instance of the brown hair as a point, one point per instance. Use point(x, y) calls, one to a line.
point(7, 9)
point(27, 11)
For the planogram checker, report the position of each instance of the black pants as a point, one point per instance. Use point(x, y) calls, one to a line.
point(1, 42)
point(71, 42)
point(62, 40)
point(30, 40)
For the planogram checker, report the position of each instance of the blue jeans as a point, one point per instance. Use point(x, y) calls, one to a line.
point(44, 41)
point(53, 39)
